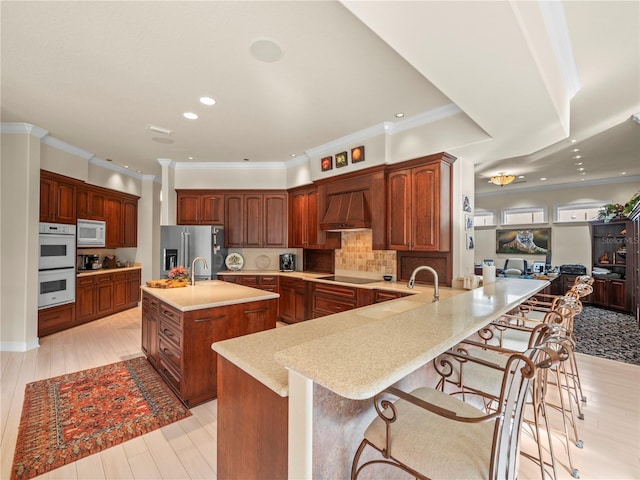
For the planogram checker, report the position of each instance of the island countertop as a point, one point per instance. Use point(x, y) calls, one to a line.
point(360, 352)
point(208, 294)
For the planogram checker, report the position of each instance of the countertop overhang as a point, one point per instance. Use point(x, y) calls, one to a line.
point(358, 353)
point(208, 294)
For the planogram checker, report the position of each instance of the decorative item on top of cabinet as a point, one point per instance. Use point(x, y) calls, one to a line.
point(199, 207)
point(57, 198)
point(419, 204)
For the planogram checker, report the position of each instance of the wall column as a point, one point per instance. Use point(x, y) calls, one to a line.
point(168, 205)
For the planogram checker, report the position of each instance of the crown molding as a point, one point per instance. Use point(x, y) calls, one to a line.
point(116, 168)
point(231, 166)
point(65, 147)
point(23, 128)
point(425, 118)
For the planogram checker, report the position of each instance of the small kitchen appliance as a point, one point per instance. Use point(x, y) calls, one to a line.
point(287, 262)
point(91, 233)
point(89, 262)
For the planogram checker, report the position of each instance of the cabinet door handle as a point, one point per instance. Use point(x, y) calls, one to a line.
point(168, 313)
point(256, 311)
point(167, 352)
point(167, 332)
point(218, 317)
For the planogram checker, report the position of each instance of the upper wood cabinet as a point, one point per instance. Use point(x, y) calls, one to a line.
point(419, 205)
point(90, 203)
point(57, 198)
point(254, 220)
point(121, 215)
point(199, 208)
point(304, 223)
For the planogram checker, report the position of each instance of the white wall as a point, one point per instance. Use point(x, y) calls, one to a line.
point(570, 243)
point(19, 211)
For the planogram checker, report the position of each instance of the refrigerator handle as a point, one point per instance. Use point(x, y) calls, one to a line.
point(187, 254)
point(216, 247)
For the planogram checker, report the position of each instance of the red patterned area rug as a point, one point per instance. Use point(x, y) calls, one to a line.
point(72, 416)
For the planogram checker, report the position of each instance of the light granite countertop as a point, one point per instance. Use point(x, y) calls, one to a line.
point(102, 271)
point(360, 352)
point(208, 294)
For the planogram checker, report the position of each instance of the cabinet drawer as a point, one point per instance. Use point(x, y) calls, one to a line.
point(173, 378)
point(150, 302)
point(171, 353)
point(268, 280)
point(171, 332)
point(84, 281)
point(119, 276)
point(104, 278)
point(249, 280)
point(169, 313)
point(384, 295)
point(336, 291)
point(331, 305)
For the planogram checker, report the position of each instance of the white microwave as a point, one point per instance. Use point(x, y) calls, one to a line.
point(90, 233)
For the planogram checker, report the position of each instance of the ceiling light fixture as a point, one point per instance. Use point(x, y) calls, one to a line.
point(207, 101)
point(502, 179)
point(399, 115)
point(190, 115)
point(153, 128)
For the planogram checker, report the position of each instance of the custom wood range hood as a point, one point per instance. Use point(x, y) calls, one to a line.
point(346, 211)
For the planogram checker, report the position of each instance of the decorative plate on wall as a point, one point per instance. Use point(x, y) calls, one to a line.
point(234, 261)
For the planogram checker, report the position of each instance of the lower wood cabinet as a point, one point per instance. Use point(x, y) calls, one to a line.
point(385, 295)
point(263, 282)
point(610, 293)
point(293, 300)
point(328, 299)
point(55, 319)
point(178, 344)
point(103, 294)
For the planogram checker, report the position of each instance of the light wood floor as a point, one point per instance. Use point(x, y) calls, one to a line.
point(187, 449)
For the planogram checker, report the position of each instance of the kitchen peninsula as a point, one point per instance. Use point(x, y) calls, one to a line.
point(305, 389)
point(179, 325)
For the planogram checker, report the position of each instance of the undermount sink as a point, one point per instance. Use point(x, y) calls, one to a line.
point(391, 308)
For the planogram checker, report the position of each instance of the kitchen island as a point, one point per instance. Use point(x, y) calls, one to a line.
point(180, 324)
point(296, 400)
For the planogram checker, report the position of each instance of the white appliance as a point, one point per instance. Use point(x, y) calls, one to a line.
point(57, 246)
point(91, 233)
point(56, 264)
point(56, 287)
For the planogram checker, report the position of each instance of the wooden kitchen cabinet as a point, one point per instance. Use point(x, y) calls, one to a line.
point(185, 359)
point(327, 299)
point(255, 220)
point(199, 208)
point(304, 221)
point(263, 282)
point(293, 300)
point(385, 295)
point(55, 319)
point(610, 293)
point(90, 203)
point(86, 306)
point(419, 205)
point(121, 216)
point(150, 305)
point(57, 198)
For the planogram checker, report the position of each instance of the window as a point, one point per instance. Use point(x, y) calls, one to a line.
point(484, 218)
point(517, 216)
point(577, 212)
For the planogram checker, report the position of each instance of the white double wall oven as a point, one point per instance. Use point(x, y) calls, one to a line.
point(56, 264)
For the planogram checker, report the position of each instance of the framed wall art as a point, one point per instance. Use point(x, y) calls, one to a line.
point(357, 154)
point(341, 159)
point(466, 203)
point(524, 241)
point(470, 242)
point(326, 163)
point(468, 222)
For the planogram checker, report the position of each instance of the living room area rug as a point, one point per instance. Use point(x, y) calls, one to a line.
point(71, 416)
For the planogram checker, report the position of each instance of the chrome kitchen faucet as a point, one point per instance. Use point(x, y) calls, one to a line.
point(412, 280)
point(193, 269)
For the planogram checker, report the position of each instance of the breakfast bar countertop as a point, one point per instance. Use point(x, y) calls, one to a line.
point(360, 352)
point(208, 294)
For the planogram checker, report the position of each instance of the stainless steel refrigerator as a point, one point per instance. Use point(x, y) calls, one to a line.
point(180, 244)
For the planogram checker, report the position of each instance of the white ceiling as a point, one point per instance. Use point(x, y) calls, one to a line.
point(96, 74)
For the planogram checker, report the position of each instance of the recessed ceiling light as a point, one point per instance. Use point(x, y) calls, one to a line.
point(292, 155)
point(577, 163)
point(543, 178)
point(577, 157)
point(580, 169)
point(156, 129)
point(583, 173)
point(399, 115)
point(207, 101)
point(108, 160)
point(520, 176)
point(190, 158)
point(139, 171)
point(623, 173)
point(573, 140)
point(166, 141)
point(126, 166)
point(190, 115)
point(246, 159)
point(575, 150)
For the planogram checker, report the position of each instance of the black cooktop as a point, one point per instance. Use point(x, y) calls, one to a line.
point(338, 278)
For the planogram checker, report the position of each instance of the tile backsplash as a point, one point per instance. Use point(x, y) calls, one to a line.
point(357, 257)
